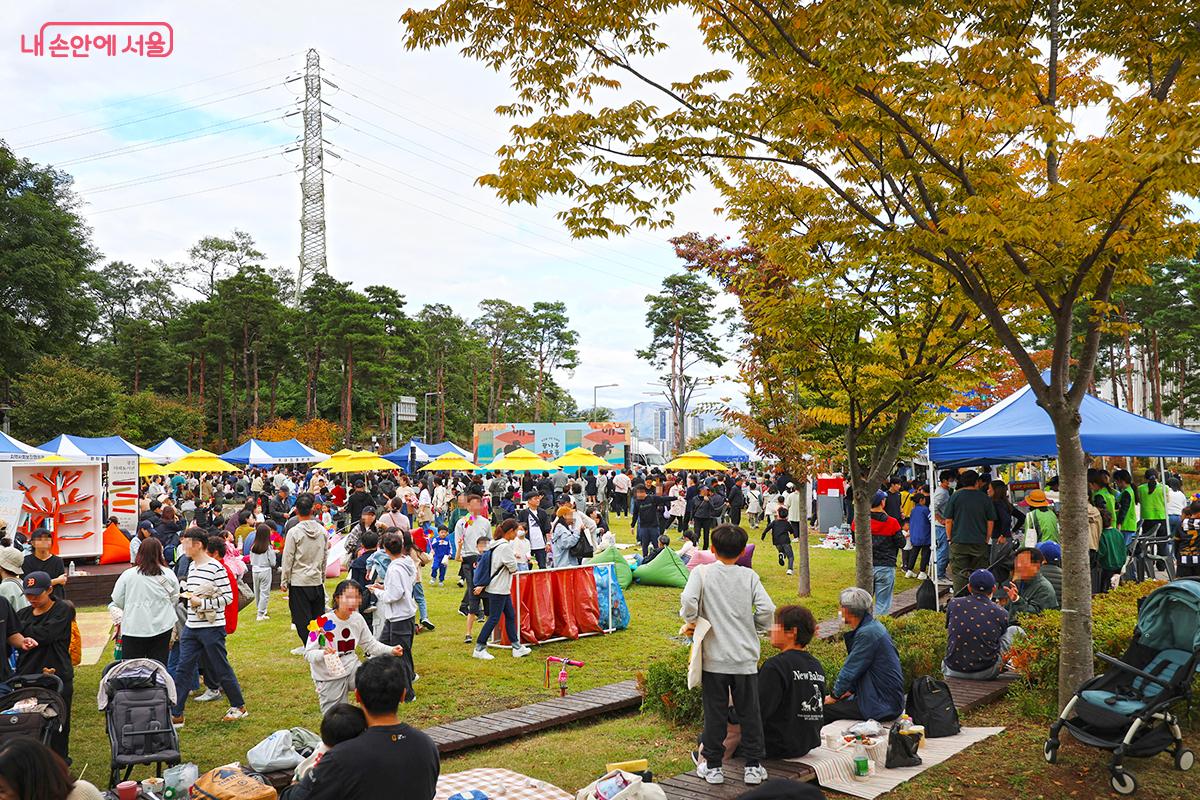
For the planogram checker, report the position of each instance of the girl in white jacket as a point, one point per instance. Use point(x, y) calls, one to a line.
point(333, 638)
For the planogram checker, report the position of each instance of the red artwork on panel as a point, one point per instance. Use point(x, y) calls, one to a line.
point(55, 499)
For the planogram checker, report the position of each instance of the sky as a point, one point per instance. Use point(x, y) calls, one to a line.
point(168, 150)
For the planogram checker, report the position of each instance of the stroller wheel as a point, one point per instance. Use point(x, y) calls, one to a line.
point(1050, 752)
point(1124, 783)
point(1184, 760)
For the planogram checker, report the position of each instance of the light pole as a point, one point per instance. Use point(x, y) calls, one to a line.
point(592, 416)
point(426, 429)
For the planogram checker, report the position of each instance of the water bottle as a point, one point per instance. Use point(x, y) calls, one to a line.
point(118, 649)
point(862, 762)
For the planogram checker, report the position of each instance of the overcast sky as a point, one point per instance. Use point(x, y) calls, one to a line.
point(415, 131)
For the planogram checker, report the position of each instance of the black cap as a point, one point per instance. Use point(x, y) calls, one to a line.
point(36, 583)
point(369, 510)
point(359, 482)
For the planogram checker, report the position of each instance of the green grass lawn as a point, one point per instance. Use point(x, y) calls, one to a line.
point(279, 692)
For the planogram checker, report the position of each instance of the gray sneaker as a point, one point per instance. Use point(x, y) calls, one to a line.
point(755, 775)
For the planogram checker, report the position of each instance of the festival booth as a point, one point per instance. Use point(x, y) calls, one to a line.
point(258, 453)
point(169, 450)
point(121, 465)
point(565, 603)
point(1018, 429)
point(15, 450)
point(64, 495)
point(727, 451)
point(411, 455)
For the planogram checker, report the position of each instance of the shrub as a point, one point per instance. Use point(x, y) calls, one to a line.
point(664, 689)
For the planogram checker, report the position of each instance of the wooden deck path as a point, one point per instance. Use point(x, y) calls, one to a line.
point(513, 722)
point(968, 696)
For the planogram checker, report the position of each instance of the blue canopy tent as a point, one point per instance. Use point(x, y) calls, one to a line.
point(15, 450)
point(726, 450)
point(441, 448)
point(400, 456)
point(169, 450)
point(93, 448)
point(1018, 429)
point(260, 453)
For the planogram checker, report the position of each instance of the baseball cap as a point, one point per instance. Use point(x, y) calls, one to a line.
point(359, 482)
point(12, 560)
point(368, 510)
point(982, 581)
point(879, 498)
point(1051, 551)
point(36, 583)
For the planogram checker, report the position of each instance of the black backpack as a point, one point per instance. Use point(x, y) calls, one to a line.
point(931, 704)
point(583, 548)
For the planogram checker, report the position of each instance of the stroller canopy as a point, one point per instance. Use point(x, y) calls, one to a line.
point(1169, 618)
point(135, 671)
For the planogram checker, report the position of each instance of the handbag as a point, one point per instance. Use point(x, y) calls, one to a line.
point(245, 594)
point(902, 750)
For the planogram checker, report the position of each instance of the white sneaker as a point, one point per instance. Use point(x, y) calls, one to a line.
point(234, 714)
point(921, 576)
point(416, 677)
point(209, 695)
point(789, 572)
point(482, 653)
point(261, 617)
point(755, 775)
point(712, 775)
point(520, 651)
point(298, 651)
point(908, 573)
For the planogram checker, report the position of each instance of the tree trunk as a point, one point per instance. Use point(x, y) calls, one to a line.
point(246, 367)
point(314, 365)
point(1129, 403)
point(441, 388)
point(1156, 376)
point(1112, 373)
point(537, 395)
point(137, 373)
point(1075, 647)
point(203, 407)
point(221, 403)
point(348, 404)
point(864, 577)
point(274, 389)
point(803, 577)
point(254, 407)
point(191, 367)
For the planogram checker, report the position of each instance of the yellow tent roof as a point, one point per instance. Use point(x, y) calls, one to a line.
point(148, 468)
point(448, 462)
point(361, 461)
point(695, 460)
point(581, 457)
point(202, 461)
point(53, 458)
point(519, 460)
point(335, 459)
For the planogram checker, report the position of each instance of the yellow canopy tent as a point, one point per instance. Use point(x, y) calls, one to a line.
point(449, 462)
point(519, 460)
point(362, 461)
point(581, 457)
point(335, 459)
point(202, 461)
point(695, 460)
point(148, 469)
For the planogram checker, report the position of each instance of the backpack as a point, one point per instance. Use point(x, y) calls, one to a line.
point(931, 704)
point(230, 783)
point(583, 548)
point(483, 570)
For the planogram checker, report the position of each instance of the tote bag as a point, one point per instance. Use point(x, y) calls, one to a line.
point(696, 656)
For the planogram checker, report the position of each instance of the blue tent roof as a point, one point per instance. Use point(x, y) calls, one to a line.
point(726, 450)
point(259, 452)
point(441, 448)
point(944, 425)
point(1018, 429)
point(95, 448)
point(400, 454)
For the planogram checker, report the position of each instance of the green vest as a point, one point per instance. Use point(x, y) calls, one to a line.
point(1130, 521)
point(1110, 500)
point(1153, 504)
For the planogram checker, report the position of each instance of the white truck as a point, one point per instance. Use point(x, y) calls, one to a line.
point(644, 454)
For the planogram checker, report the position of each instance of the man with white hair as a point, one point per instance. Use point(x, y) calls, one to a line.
point(870, 684)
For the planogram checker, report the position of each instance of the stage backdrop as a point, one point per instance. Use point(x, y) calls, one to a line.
point(550, 440)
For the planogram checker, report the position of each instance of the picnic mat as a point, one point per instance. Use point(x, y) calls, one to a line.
point(833, 768)
point(498, 783)
point(95, 627)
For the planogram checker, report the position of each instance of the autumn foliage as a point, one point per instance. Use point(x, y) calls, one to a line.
point(320, 434)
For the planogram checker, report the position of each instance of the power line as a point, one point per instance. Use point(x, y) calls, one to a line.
point(474, 171)
point(190, 194)
point(192, 169)
point(488, 212)
point(140, 98)
point(133, 121)
point(175, 137)
point(518, 242)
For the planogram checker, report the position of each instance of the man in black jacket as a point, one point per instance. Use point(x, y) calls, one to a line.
point(648, 517)
point(279, 508)
point(736, 501)
point(538, 523)
point(710, 505)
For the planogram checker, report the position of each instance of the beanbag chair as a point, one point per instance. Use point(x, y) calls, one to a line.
point(114, 546)
point(700, 557)
point(666, 569)
point(746, 559)
point(612, 555)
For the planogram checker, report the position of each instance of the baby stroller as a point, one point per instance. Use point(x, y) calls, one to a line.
point(32, 705)
point(137, 696)
point(1127, 709)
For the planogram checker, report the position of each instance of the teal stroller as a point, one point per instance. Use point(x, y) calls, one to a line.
point(1127, 710)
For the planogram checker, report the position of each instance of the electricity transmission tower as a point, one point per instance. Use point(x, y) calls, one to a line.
point(312, 181)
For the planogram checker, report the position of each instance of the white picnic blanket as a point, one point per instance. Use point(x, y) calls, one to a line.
point(835, 768)
point(498, 783)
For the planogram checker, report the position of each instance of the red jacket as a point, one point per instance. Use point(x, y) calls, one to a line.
point(231, 610)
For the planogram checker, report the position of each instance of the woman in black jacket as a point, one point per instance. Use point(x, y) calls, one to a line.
point(168, 531)
point(48, 623)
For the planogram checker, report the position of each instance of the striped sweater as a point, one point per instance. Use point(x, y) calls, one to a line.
point(208, 583)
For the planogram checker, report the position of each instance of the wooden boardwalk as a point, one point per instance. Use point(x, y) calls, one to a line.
point(513, 722)
point(903, 603)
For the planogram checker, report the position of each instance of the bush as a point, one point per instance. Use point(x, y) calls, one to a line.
point(920, 638)
point(1114, 615)
point(664, 689)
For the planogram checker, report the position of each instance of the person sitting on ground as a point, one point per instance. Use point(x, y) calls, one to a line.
point(341, 723)
point(390, 759)
point(790, 686)
point(1052, 567)
point(870, 684)
point(664, 543)
point(31, 771)
point(1031, 593)
point(977, 632)
point(688, 547)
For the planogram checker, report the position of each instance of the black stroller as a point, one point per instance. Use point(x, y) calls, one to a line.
point(136, 697)
point(1127, 710)
point(32, 705)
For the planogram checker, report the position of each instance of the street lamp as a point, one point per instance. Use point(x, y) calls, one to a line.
point(594, 388)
